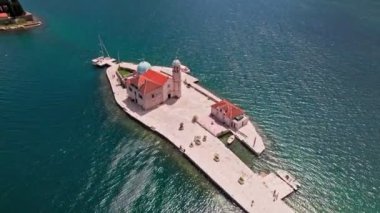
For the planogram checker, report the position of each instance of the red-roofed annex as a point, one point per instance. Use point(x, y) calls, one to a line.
point(229, 114)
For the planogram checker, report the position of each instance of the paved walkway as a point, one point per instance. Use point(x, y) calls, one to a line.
point(215, 128)
point(252, 196)
point(249, 136)
point(277, 186)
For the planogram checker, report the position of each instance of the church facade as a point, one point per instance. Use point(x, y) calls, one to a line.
point(149, 88)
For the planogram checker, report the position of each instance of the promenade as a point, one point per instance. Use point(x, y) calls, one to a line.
point(247, 134)
point(254, 195)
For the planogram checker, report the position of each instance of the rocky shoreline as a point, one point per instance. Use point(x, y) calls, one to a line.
point(20, 26)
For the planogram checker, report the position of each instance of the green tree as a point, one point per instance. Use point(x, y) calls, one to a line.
point(17, 8)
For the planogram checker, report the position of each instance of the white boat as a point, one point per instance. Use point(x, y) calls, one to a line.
point(102, 60)
point(185, 69)
point(96, 60)
point(230, 139)
point(289, 179)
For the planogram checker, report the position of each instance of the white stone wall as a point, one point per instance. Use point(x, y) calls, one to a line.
point(153, 99)
point(220, 116)
point(167, 89)
point(134, 94)
point(131, 92)
point(148, 101)
point(238, 124)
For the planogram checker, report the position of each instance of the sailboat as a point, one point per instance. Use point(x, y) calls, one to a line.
point(104, 57)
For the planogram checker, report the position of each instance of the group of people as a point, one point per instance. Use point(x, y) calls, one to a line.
point(275, 195)
point(182, 149)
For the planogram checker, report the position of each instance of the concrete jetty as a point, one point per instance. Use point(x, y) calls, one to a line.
point(252, 192)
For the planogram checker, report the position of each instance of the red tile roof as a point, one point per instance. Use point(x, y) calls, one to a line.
point(156, 77)
point(149, 81)
point(3, 15)
point(231, 110)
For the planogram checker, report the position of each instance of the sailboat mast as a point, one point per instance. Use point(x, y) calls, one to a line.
point(103, 47)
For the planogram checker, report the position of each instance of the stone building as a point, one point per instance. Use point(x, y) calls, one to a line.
point(149, 88)
point(229, 114)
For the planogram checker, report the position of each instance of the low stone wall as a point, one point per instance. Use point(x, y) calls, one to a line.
point(121, 79)
point(203, 91)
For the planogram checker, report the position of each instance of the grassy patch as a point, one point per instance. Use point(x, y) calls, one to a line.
point(125, 72)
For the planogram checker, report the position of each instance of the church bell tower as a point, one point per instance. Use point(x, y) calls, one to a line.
point(176, 78)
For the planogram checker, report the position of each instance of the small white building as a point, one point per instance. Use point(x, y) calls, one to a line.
point(149, 88)
point(229, 114)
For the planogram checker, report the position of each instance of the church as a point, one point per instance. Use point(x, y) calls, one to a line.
point(11, 12)
point(11, 8)
point(149, 88)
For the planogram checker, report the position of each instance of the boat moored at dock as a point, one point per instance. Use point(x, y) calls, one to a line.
point(230, 139)
point(185, 69)
point(103, 61)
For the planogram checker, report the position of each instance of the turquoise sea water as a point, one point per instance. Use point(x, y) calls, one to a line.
point(308, 72)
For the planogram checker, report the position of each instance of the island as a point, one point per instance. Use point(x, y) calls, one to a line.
point(171, 102)
point(14, 17)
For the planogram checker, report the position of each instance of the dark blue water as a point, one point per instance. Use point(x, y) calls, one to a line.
point(308, 72)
